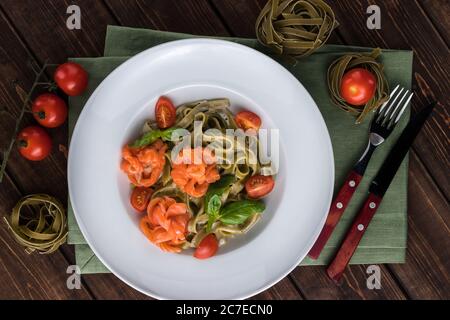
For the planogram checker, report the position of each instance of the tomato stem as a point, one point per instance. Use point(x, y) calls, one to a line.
point(50, 85)
point(22, 143)
point(41, 114)
point(53, 87)
point(26, 100)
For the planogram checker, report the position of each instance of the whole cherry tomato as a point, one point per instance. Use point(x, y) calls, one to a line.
point(49, 110)
point(34, 143)
point(71, 78)
point(165, 113)
point(207, 247)
point(358, 86)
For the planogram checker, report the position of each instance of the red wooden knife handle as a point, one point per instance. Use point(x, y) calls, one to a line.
point(337, 208)
point(353, 237)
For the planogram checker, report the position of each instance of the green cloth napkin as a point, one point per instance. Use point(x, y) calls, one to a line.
point(385, 238)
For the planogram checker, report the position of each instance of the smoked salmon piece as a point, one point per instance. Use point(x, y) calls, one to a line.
point(165, 224)
point(144, 165)
point(194, 170)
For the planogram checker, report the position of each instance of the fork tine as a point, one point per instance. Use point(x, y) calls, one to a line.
point(389, 99)
point(403, 108)
point(384, 115)
point(398, 105)
point(389, 110)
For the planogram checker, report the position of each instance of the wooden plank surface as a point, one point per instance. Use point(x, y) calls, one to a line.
point(438, 11)
point(28, 31)
point(425, 275)
point(187, 16)
point(42, 26)
point(314, 285)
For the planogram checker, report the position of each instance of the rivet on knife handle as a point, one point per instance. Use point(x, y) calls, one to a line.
point(337, 208)
point(353, 237)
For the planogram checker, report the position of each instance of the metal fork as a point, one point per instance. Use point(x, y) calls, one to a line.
point(383, 123)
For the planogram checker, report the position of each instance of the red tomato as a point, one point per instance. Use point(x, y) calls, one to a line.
point(34, 143)
point(207, 247)
point(140, 197)
point(259, 186)
point(49, 110)
point(71, 78)
point(165, 113)
point(358, 86)
point(247, 120)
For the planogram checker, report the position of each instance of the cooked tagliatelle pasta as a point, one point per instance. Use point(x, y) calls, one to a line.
point(196, 175)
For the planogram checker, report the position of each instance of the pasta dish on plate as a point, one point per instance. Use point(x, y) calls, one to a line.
point(196, 175)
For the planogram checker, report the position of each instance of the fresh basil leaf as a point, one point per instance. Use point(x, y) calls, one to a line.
point(146, 139)
point(239, 211)
point(153, 135)
point(166, 135)
point(213, 198)
point(214, 205)
point(218, 188)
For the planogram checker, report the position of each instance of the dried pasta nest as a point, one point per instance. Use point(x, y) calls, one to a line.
point(358, 60)
point(43, 227)
point(295, 28)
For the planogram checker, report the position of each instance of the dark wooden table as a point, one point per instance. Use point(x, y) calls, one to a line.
point(36, 30)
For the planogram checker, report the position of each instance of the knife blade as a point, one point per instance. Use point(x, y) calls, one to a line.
point(377, 189)
point(389, 168)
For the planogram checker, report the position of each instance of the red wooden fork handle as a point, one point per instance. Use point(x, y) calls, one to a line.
point(353, 237)
point(337, 208)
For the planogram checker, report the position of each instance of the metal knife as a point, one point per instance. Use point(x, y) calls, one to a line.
point(377, 189)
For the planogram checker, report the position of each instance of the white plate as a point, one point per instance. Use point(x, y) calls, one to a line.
point(189, 70)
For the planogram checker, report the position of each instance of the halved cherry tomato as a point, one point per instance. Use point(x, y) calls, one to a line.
point(358, 86)
point(247, 120)
point(140, 197)
point(34, 143)
point(259, 186)
point(207, 247)
point(49, 110)
point(71, 78)
point(165, 113)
